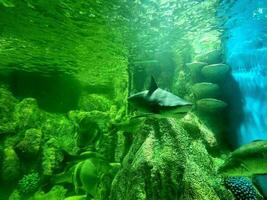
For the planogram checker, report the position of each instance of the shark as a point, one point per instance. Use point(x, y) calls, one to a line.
point(248, 160)
point(159, 102)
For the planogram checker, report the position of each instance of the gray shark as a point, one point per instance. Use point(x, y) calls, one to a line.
point(160, 102)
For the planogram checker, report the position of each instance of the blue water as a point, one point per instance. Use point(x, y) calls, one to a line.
point(246, 53)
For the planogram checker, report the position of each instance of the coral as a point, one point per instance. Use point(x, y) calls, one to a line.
point(29, 183)
point(241, 187)
point(11, 165)
point(56, 193)
point(29, 146)
point(62, 130)
point(27, 114)
point(51, 158)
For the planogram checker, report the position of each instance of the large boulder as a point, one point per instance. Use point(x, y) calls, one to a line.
point(195, 70)
point(195, 66)
point(211, 57)
point(165, 162)
point(215, 72)
point(206, 90)
point(211, 105)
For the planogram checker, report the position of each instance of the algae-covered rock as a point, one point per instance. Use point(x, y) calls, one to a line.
point(195, 185)
point(215, 72)
point(29, 146)
point(206, 90)
point(211, 105)
point(211, 57)
point(164, 163)
point(11, 165)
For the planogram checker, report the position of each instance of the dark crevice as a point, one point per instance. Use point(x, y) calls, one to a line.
point(53, 92)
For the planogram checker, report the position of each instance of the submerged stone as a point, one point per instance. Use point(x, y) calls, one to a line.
point(215, 72)
point(195, 66)
point(211, 105)
point(206, 90)
point(195, 69)
point(211, 57)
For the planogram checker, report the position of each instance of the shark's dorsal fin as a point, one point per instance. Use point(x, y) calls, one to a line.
point(153, 86)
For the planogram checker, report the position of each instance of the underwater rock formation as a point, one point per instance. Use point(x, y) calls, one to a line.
point(211, 57)
point(165, 163)
point(195, 70)
point(215, 72)
point(211, 105)
point(206, 90)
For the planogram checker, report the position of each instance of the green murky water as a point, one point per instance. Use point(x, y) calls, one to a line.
point(66, 70)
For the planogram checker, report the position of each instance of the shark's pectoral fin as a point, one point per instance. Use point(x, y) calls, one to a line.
point(153, 86)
